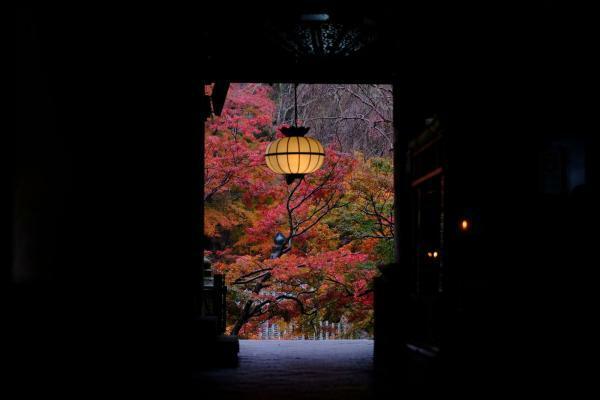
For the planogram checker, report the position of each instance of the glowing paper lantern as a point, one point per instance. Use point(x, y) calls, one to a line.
point(295, 154)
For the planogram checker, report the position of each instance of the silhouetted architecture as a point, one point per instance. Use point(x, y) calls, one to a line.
point(105, 283)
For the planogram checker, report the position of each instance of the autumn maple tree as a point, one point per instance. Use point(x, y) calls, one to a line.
point(333, 226)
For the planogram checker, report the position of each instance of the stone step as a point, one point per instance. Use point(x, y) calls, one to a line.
point(226, 351)
point(222, 351)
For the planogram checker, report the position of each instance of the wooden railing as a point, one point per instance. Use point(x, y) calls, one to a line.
point(214, 298)
point(219, 301)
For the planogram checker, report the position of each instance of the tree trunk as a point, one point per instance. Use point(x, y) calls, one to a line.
point(242, 319)
point(247, 310)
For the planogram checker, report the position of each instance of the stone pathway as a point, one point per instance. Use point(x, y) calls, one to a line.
point(296, 369)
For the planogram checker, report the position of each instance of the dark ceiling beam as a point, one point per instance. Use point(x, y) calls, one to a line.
point(310, 71)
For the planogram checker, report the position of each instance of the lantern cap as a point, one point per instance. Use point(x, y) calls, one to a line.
point(294, 130)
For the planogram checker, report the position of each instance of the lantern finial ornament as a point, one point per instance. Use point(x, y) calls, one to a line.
point(294, 155)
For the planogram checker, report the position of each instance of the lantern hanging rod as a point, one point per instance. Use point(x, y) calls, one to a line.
point(296, 104)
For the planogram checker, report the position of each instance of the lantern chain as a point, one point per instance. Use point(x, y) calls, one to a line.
point(295, 104)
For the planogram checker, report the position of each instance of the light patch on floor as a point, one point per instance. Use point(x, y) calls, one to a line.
point(296, 369)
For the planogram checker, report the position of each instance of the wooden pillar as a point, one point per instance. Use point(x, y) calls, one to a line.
point(392, 290)
point(199, 113)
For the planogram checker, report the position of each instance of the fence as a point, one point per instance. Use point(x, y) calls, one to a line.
point(322, 330)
